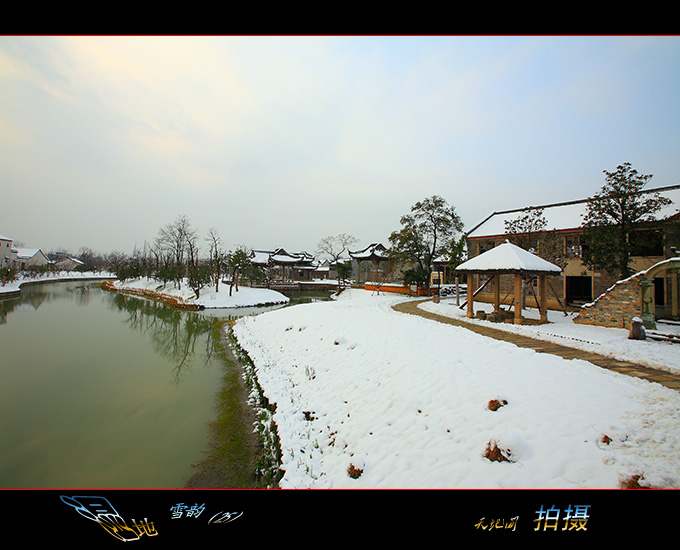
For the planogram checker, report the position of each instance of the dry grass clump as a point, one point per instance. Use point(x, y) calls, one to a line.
point(354, 472)
point(496, 454)
point(633, 482)
point(495, 404)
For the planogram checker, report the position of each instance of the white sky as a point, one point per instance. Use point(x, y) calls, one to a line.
point(279, 141)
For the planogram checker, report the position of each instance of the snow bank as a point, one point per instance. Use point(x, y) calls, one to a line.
point(402, 402)
point(209, 298)
point(15, 286)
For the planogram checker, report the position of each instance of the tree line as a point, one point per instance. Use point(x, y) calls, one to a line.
point(174, 257)
point(432, 230)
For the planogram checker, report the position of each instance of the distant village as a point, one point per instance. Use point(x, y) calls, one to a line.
point(22, 258)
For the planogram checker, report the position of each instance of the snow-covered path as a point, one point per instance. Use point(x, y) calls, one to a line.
point(561, 329)
point(404, 400)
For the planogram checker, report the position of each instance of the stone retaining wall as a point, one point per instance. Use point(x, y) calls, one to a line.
point(615, 307)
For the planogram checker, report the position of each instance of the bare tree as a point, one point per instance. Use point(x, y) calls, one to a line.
point(333, 247)
point(176, 238)
point(215, 256)
point(116, 261)
point(198, 273)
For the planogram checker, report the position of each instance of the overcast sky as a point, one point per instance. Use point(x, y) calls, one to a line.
point(278, 141)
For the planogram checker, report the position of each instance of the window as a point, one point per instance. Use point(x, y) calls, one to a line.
point(574, 245)
point(646, 242)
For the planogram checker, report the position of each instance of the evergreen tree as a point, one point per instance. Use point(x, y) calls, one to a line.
point(426, 233)
point(620, 207)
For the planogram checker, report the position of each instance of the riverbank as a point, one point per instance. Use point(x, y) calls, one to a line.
point(184, 297)
point(366, 397)
point(234, 449)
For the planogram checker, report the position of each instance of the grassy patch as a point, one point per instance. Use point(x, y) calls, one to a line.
point(268, 463)
point(237, 458)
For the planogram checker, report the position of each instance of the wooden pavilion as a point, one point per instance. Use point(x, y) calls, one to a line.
point(508, 258)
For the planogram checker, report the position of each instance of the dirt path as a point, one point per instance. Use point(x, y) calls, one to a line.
point(542, 346)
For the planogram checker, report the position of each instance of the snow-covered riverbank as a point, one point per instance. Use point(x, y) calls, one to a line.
point(15, 286)
point(367, 397)
point(209, 298)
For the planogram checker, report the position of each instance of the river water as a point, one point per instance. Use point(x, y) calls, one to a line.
point(104, 391)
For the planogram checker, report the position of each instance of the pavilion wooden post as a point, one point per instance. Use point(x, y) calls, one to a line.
point(543, 297)
point(470, 295)
point(497, 292)
point(518, 299)
point(674, 293)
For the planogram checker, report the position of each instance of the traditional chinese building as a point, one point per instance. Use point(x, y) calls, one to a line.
point(281, 265)
point(375, 254)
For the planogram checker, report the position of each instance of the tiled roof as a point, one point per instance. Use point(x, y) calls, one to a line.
point(562, 216)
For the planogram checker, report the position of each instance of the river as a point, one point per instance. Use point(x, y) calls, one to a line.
point(100, 390)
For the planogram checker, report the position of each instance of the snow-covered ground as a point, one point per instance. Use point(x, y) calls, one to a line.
point(404, 402)
point(561, 329)
point(209, 298)
point(15, 286)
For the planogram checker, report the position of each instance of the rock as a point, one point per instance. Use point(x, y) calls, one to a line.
point(637, 329)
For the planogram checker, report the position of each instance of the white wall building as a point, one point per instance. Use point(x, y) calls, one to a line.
point(6, 255)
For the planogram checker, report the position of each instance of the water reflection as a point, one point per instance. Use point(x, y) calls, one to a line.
point(173, 333)
point(90, 392)
point(85, 395)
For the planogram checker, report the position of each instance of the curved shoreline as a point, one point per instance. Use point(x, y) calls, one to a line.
point(16, 292)
point(172, 301)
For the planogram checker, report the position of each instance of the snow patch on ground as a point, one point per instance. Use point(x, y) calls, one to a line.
point(367, 397)
point(561, 329)
point(209, 298)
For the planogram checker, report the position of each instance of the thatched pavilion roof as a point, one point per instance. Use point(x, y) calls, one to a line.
point(508, 258)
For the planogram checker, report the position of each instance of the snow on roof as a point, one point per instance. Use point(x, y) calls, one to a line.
point(280, 256)
point(260, 257)
point(372, 250)
point(69, 259)
point(508, 257)
point(562, 216)
point(27, 252)
point(284, 259)
point(3, 238)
